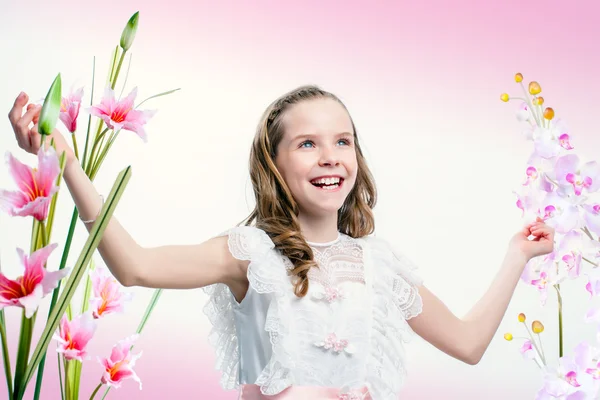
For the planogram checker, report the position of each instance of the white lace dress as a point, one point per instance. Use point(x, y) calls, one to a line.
point(348, 332)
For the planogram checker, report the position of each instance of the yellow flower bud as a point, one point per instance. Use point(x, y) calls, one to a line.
point(521, 317)
point(129, 32)
point(548, 113)
point(519, 77)
point(534, 88)
point(538, 101)
point(508, 337)
point(504, 97)
point(51, 108)
point(537, 327)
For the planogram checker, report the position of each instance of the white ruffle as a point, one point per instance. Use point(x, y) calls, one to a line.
point(395, 299)
point(266, 274)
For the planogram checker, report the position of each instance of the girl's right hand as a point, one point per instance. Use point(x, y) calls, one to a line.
point(28, 137)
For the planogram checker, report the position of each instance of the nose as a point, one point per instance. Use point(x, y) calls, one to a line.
point(329, 157)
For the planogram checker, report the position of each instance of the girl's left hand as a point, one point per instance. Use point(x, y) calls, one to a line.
point(542, 243)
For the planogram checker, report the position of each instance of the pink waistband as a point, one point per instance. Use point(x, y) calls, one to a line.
point(252, 392)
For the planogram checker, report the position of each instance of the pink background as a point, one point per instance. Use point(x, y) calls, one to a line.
point(426, 76)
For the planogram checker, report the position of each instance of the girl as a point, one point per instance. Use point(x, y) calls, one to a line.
point(305, 303)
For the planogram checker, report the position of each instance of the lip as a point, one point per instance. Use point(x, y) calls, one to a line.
point(326, 176)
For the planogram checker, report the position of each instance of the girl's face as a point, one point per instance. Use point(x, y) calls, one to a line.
point(316, 155)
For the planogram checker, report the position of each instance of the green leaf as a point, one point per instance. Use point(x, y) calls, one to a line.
point(158, 95)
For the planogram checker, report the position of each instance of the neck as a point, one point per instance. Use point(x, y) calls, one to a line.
point(318, 228)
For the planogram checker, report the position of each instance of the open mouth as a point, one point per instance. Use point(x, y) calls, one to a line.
point(327, 183)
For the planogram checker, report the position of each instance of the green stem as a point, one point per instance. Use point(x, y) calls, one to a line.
point(560, 322)
point(67, 386)
point(6, 355)
point(102, 155)
point(88, 289)
point(95, 146)
point(60, 379)
point(89, 125)
point(44, 235)
point(75, 148)
point(23, 353)
point(113, 83)
point(590, 261)
point(95, 391)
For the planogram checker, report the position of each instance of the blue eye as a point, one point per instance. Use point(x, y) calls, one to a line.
point(346, 141)
point(307, 142)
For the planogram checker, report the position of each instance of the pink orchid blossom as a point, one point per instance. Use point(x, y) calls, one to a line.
point(36, 186)
point(560, 212)
point(73, 336)
point(563, 382)
point(119, 366)
point(570, 253)
point(591, 217)
point(593, 285)
point(528, 201)
point(69, 109)
point(578, 177)
point(550, 142)
point(541, 273)
point(36, 282)
point(523, 114)
point(527, 350)
point(107, 297)
point(120, 114)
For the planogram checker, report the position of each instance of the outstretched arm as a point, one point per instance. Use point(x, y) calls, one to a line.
point(468, 338)
point(169, 267)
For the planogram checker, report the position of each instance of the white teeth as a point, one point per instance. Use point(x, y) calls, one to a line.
point(327, 181)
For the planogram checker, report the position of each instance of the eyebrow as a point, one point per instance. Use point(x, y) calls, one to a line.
point(312, 135)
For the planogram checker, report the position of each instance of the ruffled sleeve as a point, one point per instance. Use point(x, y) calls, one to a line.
point(267, 274)
point(395, 299)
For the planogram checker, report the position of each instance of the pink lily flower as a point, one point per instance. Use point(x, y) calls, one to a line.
point(36, 186)
point(73, 336)
point(120, 114)
point(69, 109)
point(119, 366)
point(36, 282)
point(571, 173)
point(107, 297)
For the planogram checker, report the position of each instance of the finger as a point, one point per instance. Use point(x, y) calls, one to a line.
point(27, 118)
point(17, 110)
point(22, 126)
point(35, 139)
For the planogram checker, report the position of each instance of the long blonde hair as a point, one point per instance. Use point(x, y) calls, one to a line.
point(276, 211)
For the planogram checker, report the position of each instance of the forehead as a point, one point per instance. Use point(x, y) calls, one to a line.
point(318, 116)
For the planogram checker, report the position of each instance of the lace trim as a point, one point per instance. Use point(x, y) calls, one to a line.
point(266, 274)
point(342, 261)
point(394, 299)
